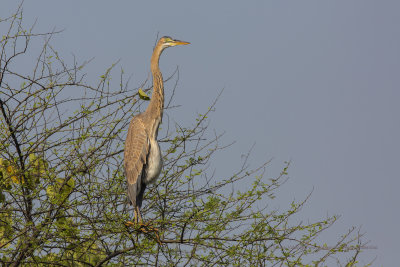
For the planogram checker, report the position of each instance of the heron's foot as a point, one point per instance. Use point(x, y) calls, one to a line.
point(139, 225)
point(151, 229)
point(146, 228)
point(130, 224)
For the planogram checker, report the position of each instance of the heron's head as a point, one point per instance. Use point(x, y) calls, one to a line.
point(167, 41)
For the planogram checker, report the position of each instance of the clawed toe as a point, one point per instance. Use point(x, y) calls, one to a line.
point(129, 224)
point(145, 228)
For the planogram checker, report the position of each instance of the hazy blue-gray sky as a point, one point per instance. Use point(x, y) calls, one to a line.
point(315, 82)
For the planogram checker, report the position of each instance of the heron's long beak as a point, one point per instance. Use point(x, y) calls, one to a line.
point(177, 42)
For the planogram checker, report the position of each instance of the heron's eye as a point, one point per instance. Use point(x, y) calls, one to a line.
point(167, 40)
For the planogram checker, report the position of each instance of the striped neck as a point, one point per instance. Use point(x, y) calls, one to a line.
point(156, 105)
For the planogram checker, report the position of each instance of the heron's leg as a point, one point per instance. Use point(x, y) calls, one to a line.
point(135, 218)
point(139, 221)
point(138, 216)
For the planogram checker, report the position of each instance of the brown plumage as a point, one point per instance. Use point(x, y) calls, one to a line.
point(142, 155)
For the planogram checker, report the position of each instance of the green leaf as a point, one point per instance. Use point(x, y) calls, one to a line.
point(56, 193)
point(143, 95)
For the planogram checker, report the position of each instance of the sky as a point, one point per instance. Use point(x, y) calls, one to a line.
point(314, 82)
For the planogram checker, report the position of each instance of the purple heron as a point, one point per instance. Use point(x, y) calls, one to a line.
point(142, 155)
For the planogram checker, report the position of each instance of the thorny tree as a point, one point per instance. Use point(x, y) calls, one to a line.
point(62, 188)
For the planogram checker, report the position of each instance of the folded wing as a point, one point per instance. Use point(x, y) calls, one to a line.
point(137, 147)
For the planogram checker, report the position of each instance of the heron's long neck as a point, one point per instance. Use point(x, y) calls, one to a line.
point(156, 105)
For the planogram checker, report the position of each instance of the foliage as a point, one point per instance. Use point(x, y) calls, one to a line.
point(62, 186)
point(143, 95)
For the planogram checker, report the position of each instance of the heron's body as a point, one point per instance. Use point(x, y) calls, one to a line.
point(142, 155)
point(155, 164)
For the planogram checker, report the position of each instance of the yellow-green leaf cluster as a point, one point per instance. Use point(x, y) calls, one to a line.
point(5, 227)
point(66, 227)
point(9, 173)
point(37, 168)
point(58, 192)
